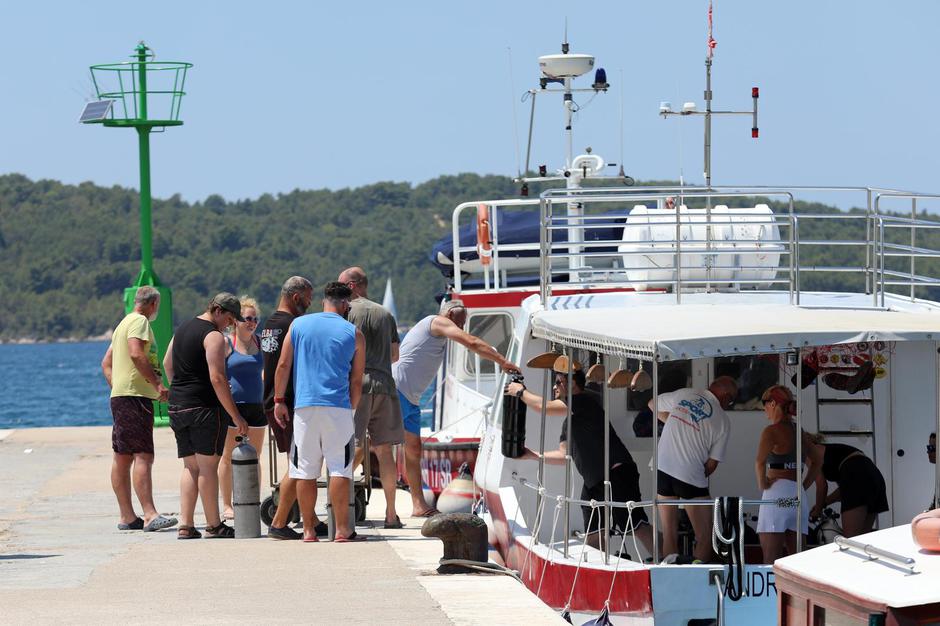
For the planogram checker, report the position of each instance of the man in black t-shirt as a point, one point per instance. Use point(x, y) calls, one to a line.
point(296, 296)
point(587, 452)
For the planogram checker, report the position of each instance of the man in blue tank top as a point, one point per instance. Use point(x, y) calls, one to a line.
point(325, 356)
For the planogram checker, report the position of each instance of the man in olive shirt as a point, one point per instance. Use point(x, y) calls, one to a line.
point(131, 367)
point(378, 412)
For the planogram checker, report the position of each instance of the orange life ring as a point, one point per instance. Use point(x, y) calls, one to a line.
point(484, 244)
point(925, 529)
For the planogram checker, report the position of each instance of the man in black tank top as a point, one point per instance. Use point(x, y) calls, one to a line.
point(199, 392)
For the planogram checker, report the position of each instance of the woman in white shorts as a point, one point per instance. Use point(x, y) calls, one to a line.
point(776, 469)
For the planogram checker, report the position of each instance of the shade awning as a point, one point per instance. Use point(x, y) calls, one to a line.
point(687, 331)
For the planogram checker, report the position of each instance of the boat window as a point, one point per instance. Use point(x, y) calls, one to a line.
point(493, 328)
point(754, 374)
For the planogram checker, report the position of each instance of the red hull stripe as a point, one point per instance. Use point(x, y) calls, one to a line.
point(631, 594)
point(515, 298)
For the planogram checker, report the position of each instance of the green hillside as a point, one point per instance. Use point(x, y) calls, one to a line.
point(66, 251)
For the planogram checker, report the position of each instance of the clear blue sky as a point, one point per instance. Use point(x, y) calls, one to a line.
point(289, 95)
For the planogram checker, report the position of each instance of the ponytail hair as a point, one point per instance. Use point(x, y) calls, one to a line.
point(782, 396)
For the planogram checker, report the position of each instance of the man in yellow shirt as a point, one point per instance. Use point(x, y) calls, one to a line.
point(131, 367)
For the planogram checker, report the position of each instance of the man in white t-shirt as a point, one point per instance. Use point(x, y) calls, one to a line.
point(695, 435)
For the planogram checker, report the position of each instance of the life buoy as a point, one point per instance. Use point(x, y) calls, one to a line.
point(484, 245)
point(926, 530)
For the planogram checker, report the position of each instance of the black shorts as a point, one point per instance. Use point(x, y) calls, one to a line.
point(253, 414)
point(672, 487)
point(624, 486)
point(198, 430)
point(861, 484)
point(133, 425)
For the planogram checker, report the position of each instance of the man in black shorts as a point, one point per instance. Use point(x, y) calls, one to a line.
point(296, 296)
point(693, 443)
point(195, 362)
point(587, 451)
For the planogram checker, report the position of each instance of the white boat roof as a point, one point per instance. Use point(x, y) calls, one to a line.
point(652, 326)
point(873, 580)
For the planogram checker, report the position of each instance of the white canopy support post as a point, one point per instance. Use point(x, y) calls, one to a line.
point(799, 449)
point(655, 516)
point(936, 368)
point(570, 354)
point(546, 389)
point(608, 491)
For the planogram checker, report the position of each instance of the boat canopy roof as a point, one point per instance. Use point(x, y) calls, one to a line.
point(654, 327)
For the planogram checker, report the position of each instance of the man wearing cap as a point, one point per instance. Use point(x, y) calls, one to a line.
point(199, 392)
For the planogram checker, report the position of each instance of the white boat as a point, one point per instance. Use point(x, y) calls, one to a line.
point(700, 281)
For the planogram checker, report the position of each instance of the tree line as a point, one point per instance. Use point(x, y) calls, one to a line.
point(68, 251)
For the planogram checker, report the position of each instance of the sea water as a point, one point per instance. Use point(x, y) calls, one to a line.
point(61, 384)
point(53, 384)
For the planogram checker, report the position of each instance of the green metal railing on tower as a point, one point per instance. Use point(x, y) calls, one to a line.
point(129, 94)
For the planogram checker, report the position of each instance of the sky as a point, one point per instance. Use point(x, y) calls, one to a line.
point(310, 95)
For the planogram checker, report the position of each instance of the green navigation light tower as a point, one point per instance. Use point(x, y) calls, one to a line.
point(127, 92)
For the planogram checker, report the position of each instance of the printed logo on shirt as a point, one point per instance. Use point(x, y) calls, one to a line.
point(698, 409)
point(270, 339)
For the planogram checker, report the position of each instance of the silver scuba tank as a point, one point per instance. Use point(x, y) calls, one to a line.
point(246, 490)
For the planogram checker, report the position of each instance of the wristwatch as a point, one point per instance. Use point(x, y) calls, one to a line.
point(280, 400)
point(519, 393)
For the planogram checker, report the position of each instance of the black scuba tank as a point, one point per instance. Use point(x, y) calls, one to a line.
point(513, 424)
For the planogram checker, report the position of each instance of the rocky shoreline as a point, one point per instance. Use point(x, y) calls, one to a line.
point(105, 336)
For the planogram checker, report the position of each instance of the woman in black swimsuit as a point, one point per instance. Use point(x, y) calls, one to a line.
point(861, 488)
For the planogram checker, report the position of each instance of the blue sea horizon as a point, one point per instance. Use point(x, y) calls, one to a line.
point(60, 384)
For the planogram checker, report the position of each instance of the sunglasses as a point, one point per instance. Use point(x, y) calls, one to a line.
point(251, 318)
point(931, 447)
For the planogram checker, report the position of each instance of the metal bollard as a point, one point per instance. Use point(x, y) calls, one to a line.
point(246, 490)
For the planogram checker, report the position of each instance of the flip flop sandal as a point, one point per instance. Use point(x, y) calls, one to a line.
point(159, 523)
point(188, 532)
point(429, 513)
point(313, 539)
point(137, 524)
point(220, 532)
point(351, 538)
point(394, 525)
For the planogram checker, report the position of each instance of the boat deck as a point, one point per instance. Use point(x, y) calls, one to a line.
point(62, 558)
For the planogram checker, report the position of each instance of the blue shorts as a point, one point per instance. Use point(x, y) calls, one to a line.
point(410, 414)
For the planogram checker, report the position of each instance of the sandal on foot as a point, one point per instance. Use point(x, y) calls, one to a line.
point(394, 524)
point(137, 524)
point(159, 523)
point(313, 539)
point(187, 532)
point(220, 532)
point(429, 513)
point(350, 539)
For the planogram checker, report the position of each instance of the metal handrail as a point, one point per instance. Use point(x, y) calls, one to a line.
point(874, 553)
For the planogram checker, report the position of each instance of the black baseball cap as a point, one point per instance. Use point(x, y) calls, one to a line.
point(228, 302)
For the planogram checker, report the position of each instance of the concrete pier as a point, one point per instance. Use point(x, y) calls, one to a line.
point(63, 560)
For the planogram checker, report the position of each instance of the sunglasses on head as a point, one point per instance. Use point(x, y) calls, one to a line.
point(251, 318)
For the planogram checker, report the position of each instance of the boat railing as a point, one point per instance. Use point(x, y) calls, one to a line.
point(878, 253)
point(563, 502)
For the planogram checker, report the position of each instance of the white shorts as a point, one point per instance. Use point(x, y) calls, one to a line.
point(322, 432)
point(774, 519)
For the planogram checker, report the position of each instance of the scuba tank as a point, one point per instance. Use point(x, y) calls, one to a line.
point(246, 496)
point(514, 410)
